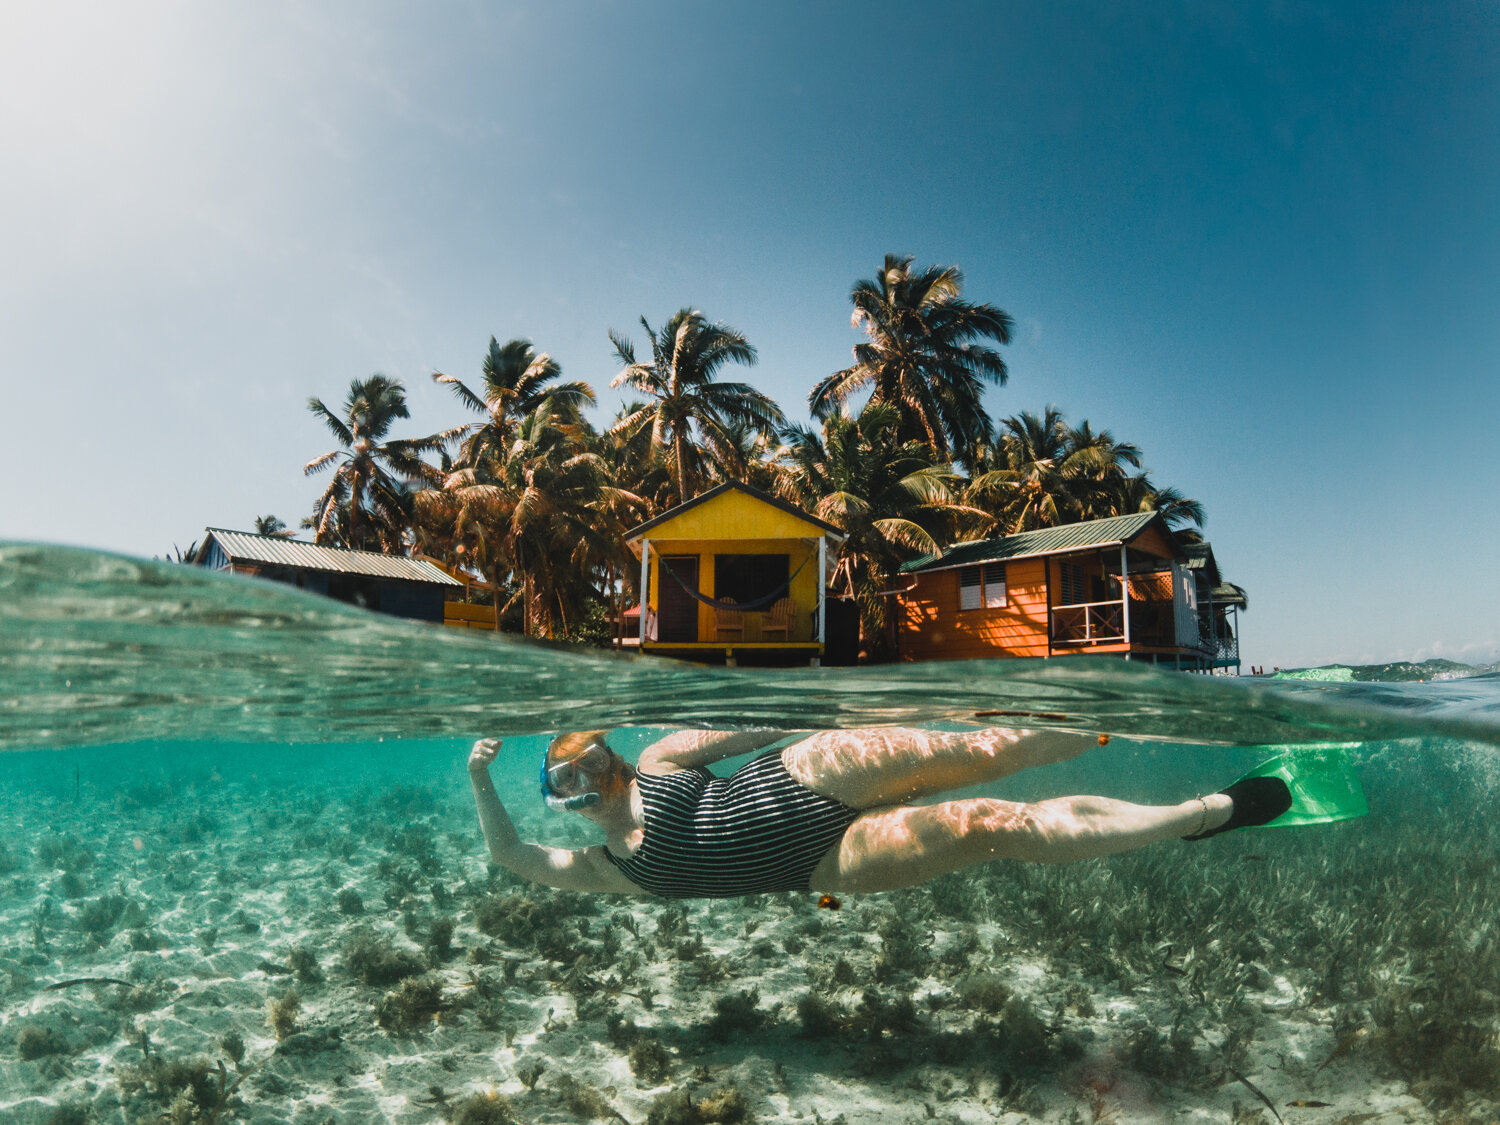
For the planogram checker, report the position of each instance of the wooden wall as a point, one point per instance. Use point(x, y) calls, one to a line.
point(932, 627)
point(1153, 542)
point(803, 590)
point(734, 515)
point(735, 523)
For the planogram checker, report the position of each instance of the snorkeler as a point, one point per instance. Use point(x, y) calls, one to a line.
point(827, 813)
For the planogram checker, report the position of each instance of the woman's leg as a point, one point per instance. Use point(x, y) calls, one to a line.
point(899, 847)
point(866, 769)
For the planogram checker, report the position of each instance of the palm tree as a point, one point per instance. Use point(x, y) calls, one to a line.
point(1025, 479)
point(541, 513)
point(270, 525)
point(1138, 494)
point(372, 482)
point(888, 497)
point(635, 464)
point(685, 408)
point(924, 356)
point(1099, 460)
point(1041, 472)
point(516, 381)
point(756, 452)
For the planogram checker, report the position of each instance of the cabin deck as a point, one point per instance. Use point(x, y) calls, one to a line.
point(812, 651)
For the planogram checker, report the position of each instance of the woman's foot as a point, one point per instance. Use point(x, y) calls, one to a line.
point(1251, 801)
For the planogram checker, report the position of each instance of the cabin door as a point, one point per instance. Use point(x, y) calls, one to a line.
point(676, 609)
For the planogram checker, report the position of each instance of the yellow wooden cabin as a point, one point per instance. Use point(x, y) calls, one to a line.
point(734, 573)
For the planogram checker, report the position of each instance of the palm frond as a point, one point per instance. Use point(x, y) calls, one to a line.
point(461, 392)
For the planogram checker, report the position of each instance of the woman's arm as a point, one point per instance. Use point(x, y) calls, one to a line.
point(687, 749)
point(565, 868)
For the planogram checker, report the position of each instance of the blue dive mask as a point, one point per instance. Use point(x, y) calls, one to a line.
point(558, 780)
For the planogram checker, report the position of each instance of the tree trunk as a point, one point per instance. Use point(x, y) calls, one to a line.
point(355, 488)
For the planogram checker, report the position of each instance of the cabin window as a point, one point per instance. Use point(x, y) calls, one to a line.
point(749, 578)
point(981, 586)
point(1070, 583)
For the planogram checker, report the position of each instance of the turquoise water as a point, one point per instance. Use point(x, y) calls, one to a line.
point(240, 879)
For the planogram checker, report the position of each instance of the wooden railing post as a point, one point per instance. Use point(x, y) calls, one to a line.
point(645, 584)
point(822, 586)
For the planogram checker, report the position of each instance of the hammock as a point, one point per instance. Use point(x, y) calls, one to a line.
point(748, 607)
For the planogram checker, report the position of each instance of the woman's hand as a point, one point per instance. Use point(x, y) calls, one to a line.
point(483, 755)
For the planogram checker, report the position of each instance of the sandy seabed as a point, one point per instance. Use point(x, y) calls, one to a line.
point(202, 950)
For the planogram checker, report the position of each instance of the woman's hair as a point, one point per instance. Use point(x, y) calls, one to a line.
point(614, 781)
point(571, 744)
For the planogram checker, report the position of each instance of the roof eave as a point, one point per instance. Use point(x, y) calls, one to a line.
point(1076, 548)
point(639, 531)
point(437, 578)
point(1017, 558)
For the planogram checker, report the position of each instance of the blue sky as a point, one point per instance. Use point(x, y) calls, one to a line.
point(1264, 244)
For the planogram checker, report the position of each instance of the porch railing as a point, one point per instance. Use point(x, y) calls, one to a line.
point(1219, 638)
point(804, 629)
point(1095, 623)
point(1088, 623)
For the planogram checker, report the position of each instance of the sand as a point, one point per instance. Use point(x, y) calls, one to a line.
point(226, 897)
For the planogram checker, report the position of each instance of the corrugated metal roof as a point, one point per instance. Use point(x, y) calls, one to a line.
point(246, 547)
point(1047, 541)
point(1230, 594)
point(1200, 558)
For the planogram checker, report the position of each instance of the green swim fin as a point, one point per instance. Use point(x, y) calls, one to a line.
point(1322, 780)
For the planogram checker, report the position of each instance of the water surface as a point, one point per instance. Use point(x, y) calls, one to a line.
point(240, 879)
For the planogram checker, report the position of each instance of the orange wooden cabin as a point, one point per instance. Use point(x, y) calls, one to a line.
point(1119, 586)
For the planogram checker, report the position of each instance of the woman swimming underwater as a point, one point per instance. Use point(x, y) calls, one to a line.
point(827, 813)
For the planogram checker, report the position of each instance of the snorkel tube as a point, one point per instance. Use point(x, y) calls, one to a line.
point(564, 804)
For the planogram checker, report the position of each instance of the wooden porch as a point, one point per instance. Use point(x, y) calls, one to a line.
point(734, 574)
point(1116, 586)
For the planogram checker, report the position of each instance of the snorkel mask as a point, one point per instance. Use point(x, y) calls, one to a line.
point(570, 775)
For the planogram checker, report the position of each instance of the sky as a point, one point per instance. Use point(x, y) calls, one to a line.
point(1260, 241)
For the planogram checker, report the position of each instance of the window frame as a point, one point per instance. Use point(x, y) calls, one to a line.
point(984, 586)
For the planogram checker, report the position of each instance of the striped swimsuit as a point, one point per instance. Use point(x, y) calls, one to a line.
point(718, 837)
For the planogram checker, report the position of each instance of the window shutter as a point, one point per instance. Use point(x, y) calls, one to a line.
point(994, 585)
point(1072, 583)
point(968, 587)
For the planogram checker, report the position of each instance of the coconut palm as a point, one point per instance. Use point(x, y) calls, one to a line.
point(517, 380)
point(1138, 494)
point(270, 525)
point(1099, 460)
point(757, 451)
point(541, 513)
point(635, 464)
point(888, 497)
point(685, 409)
point(924, 356)
point(1025, 480)
point(1041, 472)
point(368, 500)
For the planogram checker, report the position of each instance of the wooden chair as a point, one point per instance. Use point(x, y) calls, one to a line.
point(731, 621)
point(779, 620)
